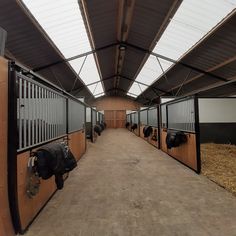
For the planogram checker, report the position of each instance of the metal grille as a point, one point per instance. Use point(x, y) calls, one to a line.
point(152, 117)
point(135, 118)
point(101, 117)
point(41, 113)
point(88, 114)
point(128, 118)
point(76, 114)
point(94, 117)
point(163, 116)
point(132, 118)
point(181, 115)
point(143, 117)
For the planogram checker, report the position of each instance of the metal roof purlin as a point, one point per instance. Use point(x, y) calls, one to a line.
point(74, 57)
point(175, 62)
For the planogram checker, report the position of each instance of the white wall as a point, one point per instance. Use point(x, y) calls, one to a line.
point(217, 110)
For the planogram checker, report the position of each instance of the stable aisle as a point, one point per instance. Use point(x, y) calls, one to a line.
point(123, 186)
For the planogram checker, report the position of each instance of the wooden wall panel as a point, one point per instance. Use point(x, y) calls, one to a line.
point(6, 228)
point(120, 118)
point(186, 153)
point(77, 143)
point(115, 118)
point(29, 207)
point(115, 103)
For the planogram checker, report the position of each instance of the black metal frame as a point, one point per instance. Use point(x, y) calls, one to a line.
point(197, 132)
point(12, 149)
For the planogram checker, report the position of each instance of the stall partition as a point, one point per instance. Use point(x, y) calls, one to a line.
point(180, 131)
point(40, 114)
point(76, 128)
point(143, 114)
point(135, 122)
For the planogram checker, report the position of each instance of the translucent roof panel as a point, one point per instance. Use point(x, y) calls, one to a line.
point(63, 23)
point(192, 21)
point(152, 70)
point(99, 95)
point(96, 88)
point(89, 72)
point(137, 88)
point(132, 95)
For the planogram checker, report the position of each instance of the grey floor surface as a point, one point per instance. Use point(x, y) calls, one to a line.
point(123, 186)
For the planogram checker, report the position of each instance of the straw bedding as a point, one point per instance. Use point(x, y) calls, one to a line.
point(219, 164)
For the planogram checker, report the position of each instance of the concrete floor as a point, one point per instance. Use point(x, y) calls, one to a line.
point(124, 186)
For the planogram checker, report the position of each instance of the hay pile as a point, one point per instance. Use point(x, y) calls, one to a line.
point(219, 164)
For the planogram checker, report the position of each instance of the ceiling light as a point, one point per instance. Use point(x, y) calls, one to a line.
point(122, 47)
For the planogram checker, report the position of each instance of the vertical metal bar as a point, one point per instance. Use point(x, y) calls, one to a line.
point(20, 113)
point(40, 114)
point(158, 126)
point(33, 113)
point(29, 113)
point(197, 132)
point(25, 84)
point(49, 114)
point(46, 115)
point(57, 115)
point(36, 112)
point(53, 115)
point(43, 115)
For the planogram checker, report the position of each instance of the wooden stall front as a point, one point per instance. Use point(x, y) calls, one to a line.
point(6, 228)
point(141, 127)
point(186, 153)
point(29, 207)
point(151, 140)
point(77, 143)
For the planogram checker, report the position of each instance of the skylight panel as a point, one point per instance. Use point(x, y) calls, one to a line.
point(89, 72)
point(192, 21)
point(152, 70)
point(96, 88)
point(137, 88)
point(63, 23)
point(99, 95)
point(132, 95)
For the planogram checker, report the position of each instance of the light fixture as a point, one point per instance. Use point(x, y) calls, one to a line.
point(122, 47)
